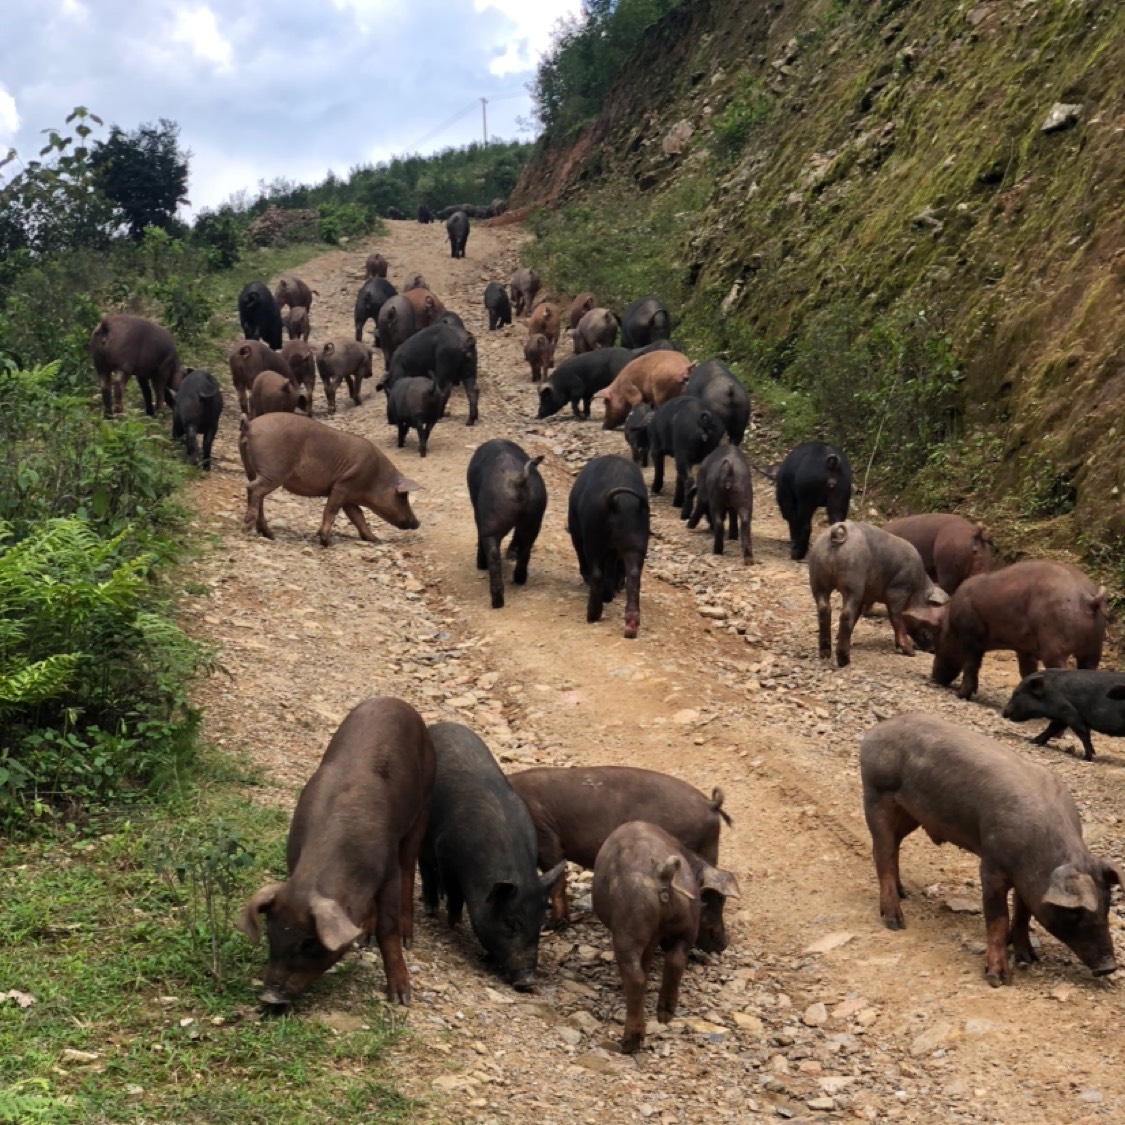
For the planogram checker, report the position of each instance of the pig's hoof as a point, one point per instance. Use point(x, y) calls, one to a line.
point(631, 631)
point(664, 1015)
point(497, 601)
point(843, 659)
point(893, 923)
point(630, 1044)
point(1025, 955)
point(996, 979)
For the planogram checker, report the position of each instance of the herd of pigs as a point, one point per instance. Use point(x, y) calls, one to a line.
point(391, 792)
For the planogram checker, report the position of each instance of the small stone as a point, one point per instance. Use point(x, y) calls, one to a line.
point(825, 1104)
point(687, 715)
point(835, 1083)
point(867, 1017)
point(71, 1054)
point(978, 1027)
point(829, 942)
point(816, 1015)
point(746, 1022)
point(935, 1037)
point(1091, 1096)
point(963, 905)
point(1062, 993)
point(1061, 116)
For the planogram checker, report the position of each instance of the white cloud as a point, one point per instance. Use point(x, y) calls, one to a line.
point(534, 24)
point(199, 31)
point(9, 119)
point(75, 10)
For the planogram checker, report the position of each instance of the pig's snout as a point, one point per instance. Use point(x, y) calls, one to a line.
point(525, 981)
point(1007, 712)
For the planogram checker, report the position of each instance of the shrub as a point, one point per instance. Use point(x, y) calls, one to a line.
point(749, 107)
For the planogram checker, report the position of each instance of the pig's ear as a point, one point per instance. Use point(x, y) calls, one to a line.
point(920, 616)
point(604, 393)
point(1036, 684)
point(499, 892)
point(669, 870)
point(548, 878)
point(248, 919)
point(334, 928)
point(404, 485)
point(1116, 692)
point(1072, 889)
point(719, 881)
point(1114, 874)
point(937, 596)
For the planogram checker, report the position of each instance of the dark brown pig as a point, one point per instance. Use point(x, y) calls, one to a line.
point(309, 458)
point(427, 308)
point(596, 329)
point(576, 808)
point(649, 892)
point(350, 855)
point(722, 491)
point(544, 321)
point(951, 547)
point(1043, 611)
point(581, 305)
point(272, 393)
point(302, 363)
point(539, 352)
point(292, 291)
point(247, 359)
point(375, 266)
point(343, 360)
point(920, 771)
point(297, 323)
point(653, 378)
point(394, 327)
point(867, 565)
point(121, 346)
point(523, 287)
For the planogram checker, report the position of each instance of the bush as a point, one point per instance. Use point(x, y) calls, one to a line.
point(749, 107)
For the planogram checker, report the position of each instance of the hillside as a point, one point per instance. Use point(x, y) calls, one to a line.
point(862, 206)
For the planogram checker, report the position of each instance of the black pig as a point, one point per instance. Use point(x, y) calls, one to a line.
point(644, 322)
point(723, 489)
point(259, 315)
point(195, 411)
point(636, 432)
point(716, 387)
point(814, 475)
point(577, 379)
point(415, 402)
point(498, 306)
point(1081, 699)
point(447, 354)
point(686, 429)
point(374, 294)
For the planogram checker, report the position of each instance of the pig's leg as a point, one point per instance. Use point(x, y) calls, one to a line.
point(473, 396)
point(681, 484)
point(718, 530)
point(889, 825)
point(521, 547)
point(824, 624)
point(1054, 728)
point(495, 571)
point(994, 890)
point(355, 513)
point(675, 961)
point(732, 530)
point(146, 391)
point(403, 429)
point(431, 886)
point(454, 902)
point(800, 528)
point(699, 507)
point(849, 612)
point(1020, 937)
point(657, 472)
point(594, 602)
point(388, 909)
point(331, 511)
point(744, 534)
point(629, 965)
point(118, 393)
point(970, 673)
point(902, 638)
point(256, 492)
point(107, 399)
point(408, 850)
point(1029, 665)
point(633, 566)
point(243, 401)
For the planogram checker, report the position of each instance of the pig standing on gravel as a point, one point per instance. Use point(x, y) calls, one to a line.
point(297, 323)
point(714, 384)
point(649, 891)
point(579, 307)
point(866, 565)
point(195, 412)
point(309, 458)
point(479, 851)
point(540, 355)
point(1082, 700)
point(813, 475)
point(576, 808)
point(414, 402)
point(608, 520)
point(446, 354)
point(372, 296)
point(687, 430)
point(596, 329)
point(654, 378)
point(636, 433)
point(1043, 611)
point(259, 314)
point(523, 288)
point(375, 265)
point(498, 306)
point(346, 361)
point(578, 378)
point(394, 327)
point(722, 489)
point(302, 363)
point(272, 393)
point(645, 322)
point(351, 852)
point(507, 493)
point(247, 359)
point(920, 771)
point(951, 547)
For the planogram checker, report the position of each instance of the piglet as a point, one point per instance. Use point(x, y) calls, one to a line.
point(539, 351)
point(920, 771)
point(273, 393)
point(636, 431)
point(649, 891)
point(414, 402)
point(723, 490)
point(1083, 700)
point(197, 404)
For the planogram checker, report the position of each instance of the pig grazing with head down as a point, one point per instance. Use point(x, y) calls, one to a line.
point(414, 402)
point(577, 379)
point(654, 377)
point(479, 851)
point(596, 329)
point(121, 346)
point(247, 359)
point(272, 393)
point(1043, 611)
point(951, 547)
point(302, 364)
point(723, 490)
point(309, 458)
point(1081, 699)
point(868, 565)
point(650, 892)
point(920, 771)
point(352, 846)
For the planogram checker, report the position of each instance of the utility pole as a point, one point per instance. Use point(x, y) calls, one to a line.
point(484, 118)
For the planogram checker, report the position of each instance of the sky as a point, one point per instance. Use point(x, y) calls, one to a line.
point(269, 88)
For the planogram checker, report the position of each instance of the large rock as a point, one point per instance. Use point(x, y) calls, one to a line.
point(678, 138)
point(1062, 116)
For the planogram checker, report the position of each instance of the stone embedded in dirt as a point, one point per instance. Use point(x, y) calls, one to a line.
point(829, 942)
point(978, 1027)
point(687, 715)
point(1062, 115)
point(1092, 1096)
point(937, 1036)
point(824, 1104)
point(963, 905)
point(815, 1015)
point(848, 1008)
point(748, 1023)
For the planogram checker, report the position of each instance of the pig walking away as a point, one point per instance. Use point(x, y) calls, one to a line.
point(722, 490)
point(581, 305)
point(121, 346)
point(951, 547)
point(247, 359)
point(507, 494)
point(1082, 700)
point(195, 412)
point(273, 393)
point(457, 227)
point(575, 810)
point(644, 322)
point(813, 475)
point(375, 265)
point(372, 296)
point(539, 352)
point(394, 327)
point(649, 892)
point(523, 288)
point(479, 852)
point(498, 306)
point(608, 520)
point(867, 565)
point(445, 353)
point(715, 386)
point(350, 856)
point(346, 361)
point(259, 314)
point(964, 789)
point(687, 430)
point(596, 329)
point(309, 458)
point(1043, 611)
point(414, 402)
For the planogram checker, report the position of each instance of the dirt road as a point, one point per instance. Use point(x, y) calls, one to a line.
point(815, 1011)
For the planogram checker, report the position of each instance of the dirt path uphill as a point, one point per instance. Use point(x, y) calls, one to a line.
point(815, 1011)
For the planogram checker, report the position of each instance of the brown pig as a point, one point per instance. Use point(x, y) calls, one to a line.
point(414, 281)
point(427, 308)
point(1043, 611)
point(272, 393)
point(576, 808)
point(539, 352)
point(292, 291)
point(302, 363)
point(653, 378)
point(123, 345)
point(596, 329)
point(350, 855)
point(523, 287)
point(951, 547)
point(581, 305)
point(866, 565)
point(297, 323)
point(544, 320)
point(343, 360)
point(247, 359)
point(649, 891)
point(920, 771)
point(375, 266)
point(309, 458)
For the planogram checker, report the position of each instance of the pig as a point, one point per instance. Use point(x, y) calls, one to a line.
point(394, 327)
point(343, 360)
point(866, 565)
point(247, 359)
point(813, 475)
point(427, 308)
point(643, 322)
point(608, 521)
point(1044, 611)
point(297, 323)
point(414, 402)
point(723, 489)
point(445, 353)
point(581, 305)
point(539, 352)
point(649, 891)
point(479, 851)
point(636, 433)
point(309, 458)
point(597, 329)
point(273, 393)
point(716, 387)
point(523, 288)
point(353, 843)
point(969, 791)
point(686, 429)
point(1082, 700)
point(292, 291)
point(457, 227)
point(394, 213)
point(578, 378)
point(498, 306)
point(576, 808)
point(375, 266)
point(951, 547)
point(259, 315)
point(195, 412)
point(414, 281)
point(653, 378)
point(424, 214)
point(374, 293)
point(123, 345)
point(544, 321)
point(507, 494)
point(302, 363)
point(450, 317)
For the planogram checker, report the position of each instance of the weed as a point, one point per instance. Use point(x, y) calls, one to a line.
point(749, 107)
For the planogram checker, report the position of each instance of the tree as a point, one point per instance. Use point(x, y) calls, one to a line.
point(144, 174)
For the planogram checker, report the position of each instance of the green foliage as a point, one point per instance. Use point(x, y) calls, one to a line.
point(28, 1100)
point(749, 107)
point(219, 233)
point(182, 291)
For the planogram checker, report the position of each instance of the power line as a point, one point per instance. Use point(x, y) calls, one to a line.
point(460, 115)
